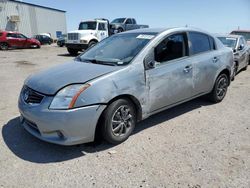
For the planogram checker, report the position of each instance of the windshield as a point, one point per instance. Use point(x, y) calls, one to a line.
point(244, 34)
point(87, 26)
point(118, 20)
point(118, 49)
point(228, 41)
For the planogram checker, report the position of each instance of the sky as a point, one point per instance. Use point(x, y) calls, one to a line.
point(217, 16)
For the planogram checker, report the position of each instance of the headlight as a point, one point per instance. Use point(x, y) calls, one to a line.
point(66, 97)
point(83, 41)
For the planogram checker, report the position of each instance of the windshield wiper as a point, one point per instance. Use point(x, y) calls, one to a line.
point(94, 61)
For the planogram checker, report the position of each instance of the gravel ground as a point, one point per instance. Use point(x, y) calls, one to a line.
point(196, 144)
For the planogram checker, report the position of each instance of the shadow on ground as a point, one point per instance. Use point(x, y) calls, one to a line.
point(29, 148)
point(67, 55)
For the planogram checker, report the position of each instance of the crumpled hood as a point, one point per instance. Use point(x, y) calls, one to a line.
point(50, 81)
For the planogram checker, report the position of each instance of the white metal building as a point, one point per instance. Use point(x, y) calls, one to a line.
point(31, 19)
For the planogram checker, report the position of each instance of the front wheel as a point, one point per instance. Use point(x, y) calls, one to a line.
point(91, 44)
point(119, 121)
point(72, 51)
point(220, 88)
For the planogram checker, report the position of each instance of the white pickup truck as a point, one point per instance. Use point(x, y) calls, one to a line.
point(88, 34)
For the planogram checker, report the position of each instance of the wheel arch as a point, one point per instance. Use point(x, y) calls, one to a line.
point(228, 73)
point(132, 99)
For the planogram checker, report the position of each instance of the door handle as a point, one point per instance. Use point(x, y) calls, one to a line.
point(215, 59)
point(188, 68)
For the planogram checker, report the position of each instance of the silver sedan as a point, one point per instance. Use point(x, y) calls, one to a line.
point(122, 80)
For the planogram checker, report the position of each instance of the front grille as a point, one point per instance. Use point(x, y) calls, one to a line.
point(31, 97)
point(72, 36)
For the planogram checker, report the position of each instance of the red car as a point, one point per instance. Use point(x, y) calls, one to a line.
point(9, 39)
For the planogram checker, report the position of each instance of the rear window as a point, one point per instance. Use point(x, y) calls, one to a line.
point(199, 43)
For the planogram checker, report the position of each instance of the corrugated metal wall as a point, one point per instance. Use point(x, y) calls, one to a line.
point(33, 20)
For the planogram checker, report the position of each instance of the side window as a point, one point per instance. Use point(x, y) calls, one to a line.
point(241, 43)
point(199, 43)
point(134, 22)
point(21, 36)
point(101, 27)
point(212, 43)
point(12, 35)
point(173, 47)
point(129, 21)
point(1, 34)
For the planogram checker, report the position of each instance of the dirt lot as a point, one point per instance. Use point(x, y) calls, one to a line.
point(197, 144)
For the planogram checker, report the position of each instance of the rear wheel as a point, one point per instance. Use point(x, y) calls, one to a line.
point(119, 121)
point(73, 52)
point(4, 46)
point(220, 88)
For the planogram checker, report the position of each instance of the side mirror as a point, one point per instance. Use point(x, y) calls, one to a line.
point(241, 47)
point(149, 60)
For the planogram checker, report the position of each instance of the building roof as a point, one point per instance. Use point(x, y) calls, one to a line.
point(20, 2)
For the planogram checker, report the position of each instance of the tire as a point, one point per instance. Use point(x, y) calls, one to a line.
point(119, 30)
point(73, 52)
point(220, 88)
point(91, 44)
point(119, 121)
point(4, 46)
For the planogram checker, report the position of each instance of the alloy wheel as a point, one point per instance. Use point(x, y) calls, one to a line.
point(122, 121)
point(222, 88)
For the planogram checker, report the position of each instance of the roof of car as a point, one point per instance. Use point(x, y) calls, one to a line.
point(160, 30)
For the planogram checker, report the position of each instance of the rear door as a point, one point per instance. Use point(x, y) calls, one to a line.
point(171, 81)
point(206, 61)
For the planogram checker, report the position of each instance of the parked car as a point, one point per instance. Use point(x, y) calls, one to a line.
point(61, 40)
point(122, 80)
point(124, 24)
point(244, 33)
point(44, 39)
point(9, 39)
point(240, 49)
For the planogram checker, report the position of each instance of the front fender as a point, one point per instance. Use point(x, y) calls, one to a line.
point(112, 85)
point(88, 38)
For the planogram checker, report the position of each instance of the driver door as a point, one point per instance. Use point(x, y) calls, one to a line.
point(171, 80)
point(102, 31)
point(22, 41)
